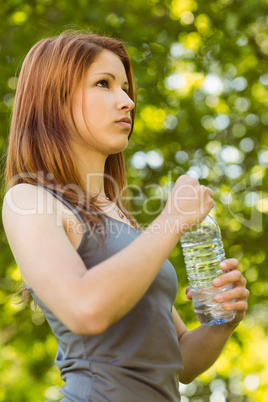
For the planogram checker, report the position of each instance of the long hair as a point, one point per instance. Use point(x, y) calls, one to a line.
point(39, 150)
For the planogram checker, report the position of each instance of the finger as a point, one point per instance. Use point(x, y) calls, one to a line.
point(239, 305)
point(210, 192)
point(237, 293)
point(188, 293)
point(212, 203)
point(207, 190)
point(233, 276)
point(229, 264)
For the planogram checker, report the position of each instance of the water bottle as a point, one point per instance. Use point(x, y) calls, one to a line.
point(203, 251)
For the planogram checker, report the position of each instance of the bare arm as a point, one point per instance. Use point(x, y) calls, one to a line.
point(89, 301)
point(202, 346)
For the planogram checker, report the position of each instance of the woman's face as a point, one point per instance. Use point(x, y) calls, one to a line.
point(101, 105)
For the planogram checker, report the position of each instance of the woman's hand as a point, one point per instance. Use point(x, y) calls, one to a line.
point(235, 299)
point(188, 204)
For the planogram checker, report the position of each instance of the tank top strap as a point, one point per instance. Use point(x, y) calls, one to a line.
point(67, 203)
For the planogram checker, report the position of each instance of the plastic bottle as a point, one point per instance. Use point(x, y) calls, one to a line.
point(203, 251)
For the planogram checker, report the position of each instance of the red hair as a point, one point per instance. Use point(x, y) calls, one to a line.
point(39, 150)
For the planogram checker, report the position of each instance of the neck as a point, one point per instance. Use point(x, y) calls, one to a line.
point(91, 170)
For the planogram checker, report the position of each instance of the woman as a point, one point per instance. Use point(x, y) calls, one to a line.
point(104, 285)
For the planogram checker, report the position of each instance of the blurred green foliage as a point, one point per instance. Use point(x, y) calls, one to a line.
point(202, 77)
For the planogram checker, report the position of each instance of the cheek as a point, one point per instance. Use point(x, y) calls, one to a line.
point(94, 105)
point(83, 116)
point(95, 113)
point(77, 110)
point(92, 115)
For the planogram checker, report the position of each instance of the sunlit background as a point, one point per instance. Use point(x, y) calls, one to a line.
point(202, 82)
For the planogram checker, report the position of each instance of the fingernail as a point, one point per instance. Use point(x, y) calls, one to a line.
point(216, 281)
point(223, 265)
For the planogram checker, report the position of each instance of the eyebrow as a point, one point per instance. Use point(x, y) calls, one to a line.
point(111, 75)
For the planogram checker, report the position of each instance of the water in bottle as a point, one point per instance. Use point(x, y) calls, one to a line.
point(203, 251)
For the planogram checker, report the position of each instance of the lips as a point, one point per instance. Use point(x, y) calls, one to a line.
point(125, 122)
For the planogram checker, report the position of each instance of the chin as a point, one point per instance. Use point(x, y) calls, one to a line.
point(119, 148)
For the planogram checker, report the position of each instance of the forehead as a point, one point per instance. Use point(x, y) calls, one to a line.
point(107, 61)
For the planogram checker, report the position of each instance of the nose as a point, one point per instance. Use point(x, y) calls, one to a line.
point(125, 102)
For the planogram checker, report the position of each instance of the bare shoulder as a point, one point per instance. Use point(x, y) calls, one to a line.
point(27, 204)
point(24, 198)
point(27, 209)
point(47, 260)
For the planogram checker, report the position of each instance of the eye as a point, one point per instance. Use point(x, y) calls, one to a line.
point(126, 90)
point(103, 84)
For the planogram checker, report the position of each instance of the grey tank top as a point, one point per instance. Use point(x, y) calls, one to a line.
point(138, 358)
